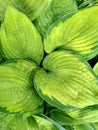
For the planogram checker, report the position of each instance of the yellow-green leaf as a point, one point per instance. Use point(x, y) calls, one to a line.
point(57, 10)
point(67, 80)
point(19, 37)
point(17, 93)
point(43, 123)
point(76, 117)
point(78, 33)
point(12, 122)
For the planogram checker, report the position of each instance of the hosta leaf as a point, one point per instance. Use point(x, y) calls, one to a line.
point(30, 7)
point(42, 123)
point(16, 88)
point(96, 69)
point(66, 81)
point(57, 9)
point(12, 122)
point(3, 6)
point(19, 37)
point(78, 33)
point(74, 117)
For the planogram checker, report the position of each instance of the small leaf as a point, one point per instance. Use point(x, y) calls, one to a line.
point(67, 80)
point(78, 33)
point(16, 88)
point(42, 123)
point(12, 122)
point(19, 37)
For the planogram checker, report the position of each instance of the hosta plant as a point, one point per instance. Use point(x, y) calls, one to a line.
point(47, 78)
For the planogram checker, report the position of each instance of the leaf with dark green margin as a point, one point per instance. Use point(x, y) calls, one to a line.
point(19, 37)
point(67, 80)
point(74, 117)
point(17, 93)
point(12, 122)
point(43, 123)
point(57, 9)
point(78, 33)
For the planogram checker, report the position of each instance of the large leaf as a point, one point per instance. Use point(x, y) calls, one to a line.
point(19, 37)
point(16, 88)
point(74, 117)
point(57, 9)
point(12, 122)
point(30, 7)
point(78, 33)
point(42, 123)
point(66, 81)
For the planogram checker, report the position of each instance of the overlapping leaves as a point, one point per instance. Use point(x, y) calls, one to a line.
point(63, 86)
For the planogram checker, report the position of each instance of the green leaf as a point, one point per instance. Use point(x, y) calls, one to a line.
point(75, 117)
point(17, 93)
point(19, 37)
point(61, 8)
point(42, 123)
point(57, 9)
point(30, 7)
point(84, 127)
point(95, 69)
point(12, 122)
point(78, 33)
point(3, 5)
point(67, 80)
point(96, 125)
